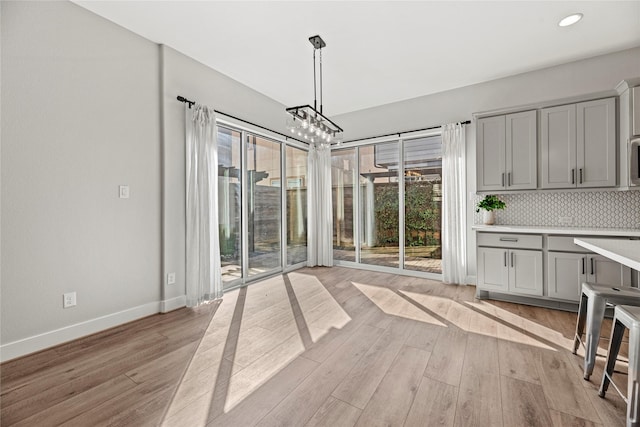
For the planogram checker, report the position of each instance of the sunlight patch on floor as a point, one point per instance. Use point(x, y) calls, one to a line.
point(470, 320)
point(279, 315)
point(519, 323)
point(391, 303)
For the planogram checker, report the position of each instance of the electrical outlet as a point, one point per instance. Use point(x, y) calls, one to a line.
point(171, 278)
point(68, 300)
point(565, 220)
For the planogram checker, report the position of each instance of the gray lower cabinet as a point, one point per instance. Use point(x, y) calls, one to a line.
point(517, 271)
point(567, 271)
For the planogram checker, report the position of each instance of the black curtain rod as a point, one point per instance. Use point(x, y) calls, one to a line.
point(466, 122)
point(191, 103)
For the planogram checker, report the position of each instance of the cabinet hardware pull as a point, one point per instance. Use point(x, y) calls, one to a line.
point(505, 258)
point(503, 179)
point(509, 179)
point(593, 270)
point(508, 239)
point(580, 175)
point(512, 256)
point(583, 262)
point(573, 176)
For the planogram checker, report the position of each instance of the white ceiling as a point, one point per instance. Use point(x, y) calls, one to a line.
point(377, 51)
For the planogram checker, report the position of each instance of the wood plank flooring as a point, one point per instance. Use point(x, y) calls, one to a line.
point(320, 347)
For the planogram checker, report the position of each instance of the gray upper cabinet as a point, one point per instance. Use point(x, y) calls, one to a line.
point(558, 146)
point(596, 143)
point(507, 152)
point(490, 154)
point(578, 145)
point(521, 150)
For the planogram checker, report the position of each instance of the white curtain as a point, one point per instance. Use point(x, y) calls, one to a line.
point(204, 276)
point(319, 208)
point(454, 225)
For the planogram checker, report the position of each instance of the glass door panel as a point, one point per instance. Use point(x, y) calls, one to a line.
point(264, 205)
point(379, 205)
point(296, 190)
point(343, 169)
point(229, 204)
point(423, 204)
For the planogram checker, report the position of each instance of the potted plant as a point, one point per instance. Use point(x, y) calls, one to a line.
point(490, 204)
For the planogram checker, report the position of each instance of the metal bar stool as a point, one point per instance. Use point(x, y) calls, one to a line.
point(593, 302)
point(625, 317)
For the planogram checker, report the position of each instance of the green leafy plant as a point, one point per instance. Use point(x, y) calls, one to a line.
point(490, 203)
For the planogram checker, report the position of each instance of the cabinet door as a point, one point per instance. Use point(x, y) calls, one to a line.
point(635, 111)
point(604, 271)
point(521, 150)
point(558, 146)
point(596, 143)
point(525, 272)
point(493, 274)
point(490, 155)
point(565, 274)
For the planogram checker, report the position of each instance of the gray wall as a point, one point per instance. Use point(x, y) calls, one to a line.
point(80, 117)
point(594, 75)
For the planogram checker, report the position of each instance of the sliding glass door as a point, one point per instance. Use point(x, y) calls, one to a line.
point(423, 204)
point(229, 203)
point(296, 205)
point(343, 178)
point(379, 218)
point(264, 204)
point(397, 221)
point(253, 221)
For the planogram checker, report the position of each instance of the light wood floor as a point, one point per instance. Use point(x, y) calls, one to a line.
point(320, 347)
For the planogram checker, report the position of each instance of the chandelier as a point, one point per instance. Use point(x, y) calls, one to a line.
point(307, 122)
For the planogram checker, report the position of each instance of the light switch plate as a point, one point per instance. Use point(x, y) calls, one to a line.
point(171, 278)
point(124, 191)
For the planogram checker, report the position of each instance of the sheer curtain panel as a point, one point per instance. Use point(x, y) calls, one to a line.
point(454, 225)
point(204, 276)
point(319, 207)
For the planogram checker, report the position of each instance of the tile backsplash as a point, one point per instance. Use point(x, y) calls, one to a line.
point(604, 209)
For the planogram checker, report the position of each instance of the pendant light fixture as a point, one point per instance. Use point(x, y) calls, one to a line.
point(308, 123)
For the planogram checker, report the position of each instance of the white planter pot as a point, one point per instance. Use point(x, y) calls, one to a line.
point(489, 217)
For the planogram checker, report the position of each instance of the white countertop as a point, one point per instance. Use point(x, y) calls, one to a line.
point(625, 252)
point(573, 231)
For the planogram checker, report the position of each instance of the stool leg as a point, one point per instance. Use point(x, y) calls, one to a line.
point(633, 419)
point(595, 316)
point(582, 314)
point(614, 347)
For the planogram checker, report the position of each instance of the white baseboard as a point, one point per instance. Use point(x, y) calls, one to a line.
point(49, 339)
point(471, 280)
point(173, 304)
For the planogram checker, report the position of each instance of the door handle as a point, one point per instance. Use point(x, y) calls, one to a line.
point(573, 176)
point(512, 256)
point(583, 263)
point(593, 270)
point(580, 175)
point(505, 258)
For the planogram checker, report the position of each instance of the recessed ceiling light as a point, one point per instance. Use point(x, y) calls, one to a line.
point(570, 20)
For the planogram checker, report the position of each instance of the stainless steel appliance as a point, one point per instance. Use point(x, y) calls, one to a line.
point(634, 162)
